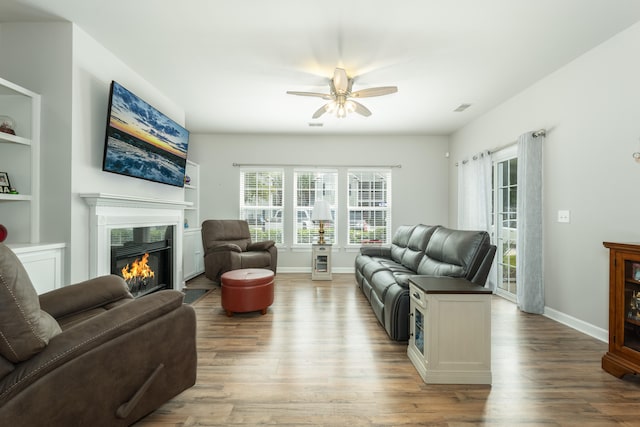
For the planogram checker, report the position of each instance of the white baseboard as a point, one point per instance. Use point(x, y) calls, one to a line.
point(577, 324)
point(335, 270)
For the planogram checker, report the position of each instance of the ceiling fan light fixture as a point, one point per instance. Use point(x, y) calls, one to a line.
point(350, 106)
point(340, 102)
point(340, 81)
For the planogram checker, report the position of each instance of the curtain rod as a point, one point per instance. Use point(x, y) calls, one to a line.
point(535, 134)
point(311, 166)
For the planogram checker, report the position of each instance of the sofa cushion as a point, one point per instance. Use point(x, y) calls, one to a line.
point(5, 367)
point(400, 241)
point(372, 268)
point(416, 246)
point(453, 252)
point(25, 329)
point(226, 230)
point(383, 280)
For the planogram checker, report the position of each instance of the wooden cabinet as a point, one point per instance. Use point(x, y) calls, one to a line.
point(321, 262)
point(623, 356)
point(19, 158)
point(450, 330)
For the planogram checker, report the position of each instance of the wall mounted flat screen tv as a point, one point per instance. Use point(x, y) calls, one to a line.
point(142, 142)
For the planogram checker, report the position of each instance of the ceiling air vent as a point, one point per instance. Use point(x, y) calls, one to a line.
point(462, 107)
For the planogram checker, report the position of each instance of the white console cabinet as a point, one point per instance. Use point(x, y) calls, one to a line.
point(321, 262)
point(192, 252)
point(450, 330)
point(43, 264)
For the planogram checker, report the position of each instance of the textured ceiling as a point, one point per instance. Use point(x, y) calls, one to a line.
point(229, 63)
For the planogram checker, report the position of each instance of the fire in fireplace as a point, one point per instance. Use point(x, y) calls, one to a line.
point(143, 257)
point(139, 276)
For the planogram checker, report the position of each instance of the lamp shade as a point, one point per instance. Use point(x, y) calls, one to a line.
point(321, 211)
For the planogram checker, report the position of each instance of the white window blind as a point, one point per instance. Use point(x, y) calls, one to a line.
point(369, 206)
point(310, 186)
point(261, 202)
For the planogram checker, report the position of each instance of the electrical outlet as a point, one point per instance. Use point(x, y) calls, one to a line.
point(564, 216)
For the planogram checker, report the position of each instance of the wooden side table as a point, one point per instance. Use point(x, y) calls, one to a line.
point(450, 330)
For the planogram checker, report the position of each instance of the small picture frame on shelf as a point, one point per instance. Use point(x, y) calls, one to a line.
point(5, 185)
point(635, 271)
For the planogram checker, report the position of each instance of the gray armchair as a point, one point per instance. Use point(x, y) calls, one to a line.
point(89, 354)
point(227, 246)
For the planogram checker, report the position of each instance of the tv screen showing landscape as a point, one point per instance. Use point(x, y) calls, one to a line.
point(142, 142)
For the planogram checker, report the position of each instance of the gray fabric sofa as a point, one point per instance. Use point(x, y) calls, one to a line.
point(383, 271)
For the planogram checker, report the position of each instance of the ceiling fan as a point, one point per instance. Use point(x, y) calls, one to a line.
point(341, 96)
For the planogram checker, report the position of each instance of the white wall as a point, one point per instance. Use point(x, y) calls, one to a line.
point(94, 67)
point(590, 109)
point(73, 72)
point(41, 61)
point(419, 193)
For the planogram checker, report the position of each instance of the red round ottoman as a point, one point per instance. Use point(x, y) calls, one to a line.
point(247, 289)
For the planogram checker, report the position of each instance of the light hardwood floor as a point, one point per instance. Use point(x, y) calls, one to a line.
point(320, 358)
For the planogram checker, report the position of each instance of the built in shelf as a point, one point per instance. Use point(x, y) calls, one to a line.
point(15, 197)
point(7, 137)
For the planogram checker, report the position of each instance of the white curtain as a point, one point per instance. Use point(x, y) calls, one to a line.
point(474, 198)
point(529, 265)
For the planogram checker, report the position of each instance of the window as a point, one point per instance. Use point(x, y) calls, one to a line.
point(369, 206)
point(261, 203)
point(310, 186)
point(505, 220)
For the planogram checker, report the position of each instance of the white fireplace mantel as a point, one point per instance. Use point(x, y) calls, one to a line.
point(110, 211)
point(106, 199)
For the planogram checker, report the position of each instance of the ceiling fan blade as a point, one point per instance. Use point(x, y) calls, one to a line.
point(320, 111)
point(374, 91)
point(361, 109)
point(340, 80)
point(316, 94)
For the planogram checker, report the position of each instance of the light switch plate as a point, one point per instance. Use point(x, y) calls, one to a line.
point(564, 216)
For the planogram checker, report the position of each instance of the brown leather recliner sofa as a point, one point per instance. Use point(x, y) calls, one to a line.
point(227, 246)
point(383, 271)
point(89, 354)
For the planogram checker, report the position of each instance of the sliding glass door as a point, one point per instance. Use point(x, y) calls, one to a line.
point(505, 219)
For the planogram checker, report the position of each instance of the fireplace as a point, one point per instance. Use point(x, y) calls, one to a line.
point(130, 227)
point(143, 257)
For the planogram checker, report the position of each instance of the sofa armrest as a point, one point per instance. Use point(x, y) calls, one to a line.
point(381, 251)
point(84, 296)
point(89, 335)
point(223, 247)
point(480, 278)
point(260, 246)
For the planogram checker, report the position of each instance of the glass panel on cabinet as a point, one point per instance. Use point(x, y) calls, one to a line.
point(632, 305)
point(419, 331)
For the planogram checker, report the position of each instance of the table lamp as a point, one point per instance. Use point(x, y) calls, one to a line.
point(322, 213)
